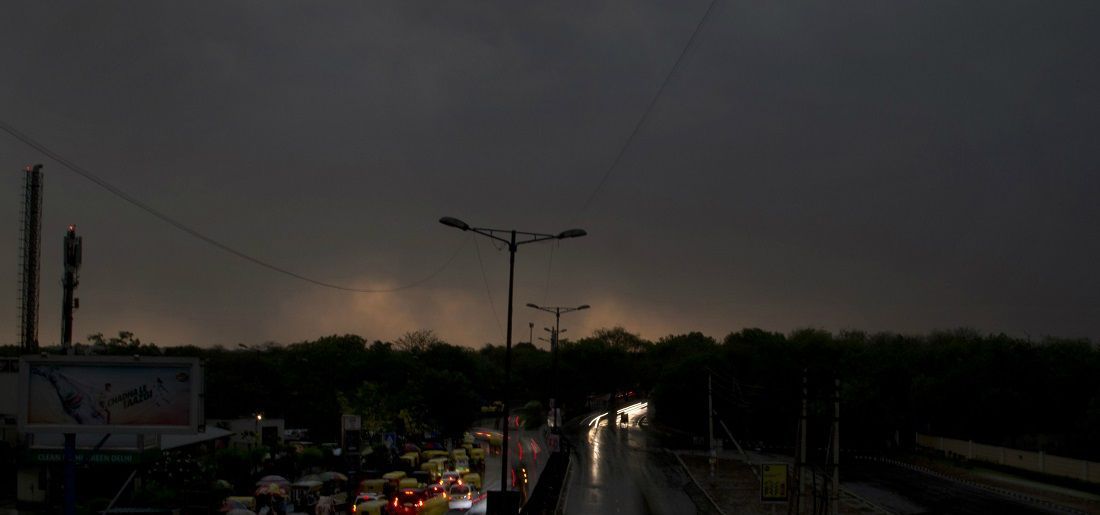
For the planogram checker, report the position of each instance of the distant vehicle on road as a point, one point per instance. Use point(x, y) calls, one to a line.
point(461, 497)
point(462, 464)
point(450, 477)
point(407, 501)
point(473, 479)
point(368, 504)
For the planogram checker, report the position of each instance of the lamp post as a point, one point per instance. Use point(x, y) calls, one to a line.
point(557, 311)
point(259, 417)
point(513, 244)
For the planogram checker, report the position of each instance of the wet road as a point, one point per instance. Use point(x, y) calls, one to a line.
point(526, 452)
point(622, 471)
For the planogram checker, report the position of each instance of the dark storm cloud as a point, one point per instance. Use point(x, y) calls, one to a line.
point(880, 165)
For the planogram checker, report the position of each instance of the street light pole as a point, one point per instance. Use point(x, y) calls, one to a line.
point(513, 244)
point(557, 311)
point(507, 364)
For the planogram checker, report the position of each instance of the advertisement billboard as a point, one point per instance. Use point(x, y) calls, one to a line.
point(773, 482)
point(84, 394)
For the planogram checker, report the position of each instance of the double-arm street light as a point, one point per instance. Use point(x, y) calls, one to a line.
point(557, 311)
point(513, 244)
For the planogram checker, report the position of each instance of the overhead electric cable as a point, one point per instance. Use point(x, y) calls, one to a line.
point(488, 291)
point(83, 172)
point(549, 267)
point(649, 108)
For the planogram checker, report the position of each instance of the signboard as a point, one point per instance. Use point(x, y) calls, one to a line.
point(773, 482)
point(82, 394)
point(352, 422)
point(85, 456)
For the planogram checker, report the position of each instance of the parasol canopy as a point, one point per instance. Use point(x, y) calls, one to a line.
point(273, 489)
point(279, 480)
point(333, 476)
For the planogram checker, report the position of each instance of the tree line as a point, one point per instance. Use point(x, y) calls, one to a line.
point(991, 388)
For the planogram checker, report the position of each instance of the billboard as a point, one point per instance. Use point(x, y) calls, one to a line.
point(83, 394)
point(773, 482)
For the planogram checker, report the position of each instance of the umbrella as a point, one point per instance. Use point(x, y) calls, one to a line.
point(271, 489)
point(411, 447)
point(434, 446)
point(221, 484)
point(280, 480)
point(330, 476)
point(230, 505)
point(309, 483)
point(240, 512)
point(310, 477)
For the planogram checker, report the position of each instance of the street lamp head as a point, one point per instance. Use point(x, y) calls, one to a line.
point(583, 306)
point(571, 233)
point(530, 305)
point(454, 222)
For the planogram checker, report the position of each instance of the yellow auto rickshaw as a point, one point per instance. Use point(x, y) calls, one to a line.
point(411, 458)
point(433, 468)
point(374, 486)
point(472, 479)
point(394, 478)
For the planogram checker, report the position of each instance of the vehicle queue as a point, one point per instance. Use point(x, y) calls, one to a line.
point(432, 481)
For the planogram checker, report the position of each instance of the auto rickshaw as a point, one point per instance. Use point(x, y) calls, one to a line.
point(412, 459)
point(434, 468)
point(375, 486)
point(395, 477)
point(472, 479)
point(433, 453)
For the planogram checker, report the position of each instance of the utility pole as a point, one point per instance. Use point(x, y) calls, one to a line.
point(710, 426)
point(834, 495)
point(800, 452)
point(554, 335)
point(72, 255)
point(554, 372)
point(31, 240)
point(69, 282)
point(531, 333)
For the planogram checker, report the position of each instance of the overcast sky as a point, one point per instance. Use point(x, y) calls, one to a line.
point(901, 166)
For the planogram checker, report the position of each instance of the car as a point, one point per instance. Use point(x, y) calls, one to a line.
point(435, 490)
point(407, 501)
point(450, 477)
point(368, 503)
point(461, 497)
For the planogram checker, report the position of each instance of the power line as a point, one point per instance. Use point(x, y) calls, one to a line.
point(549, 267)
point(85, 173)
point(488, 291)
point(649, 108)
